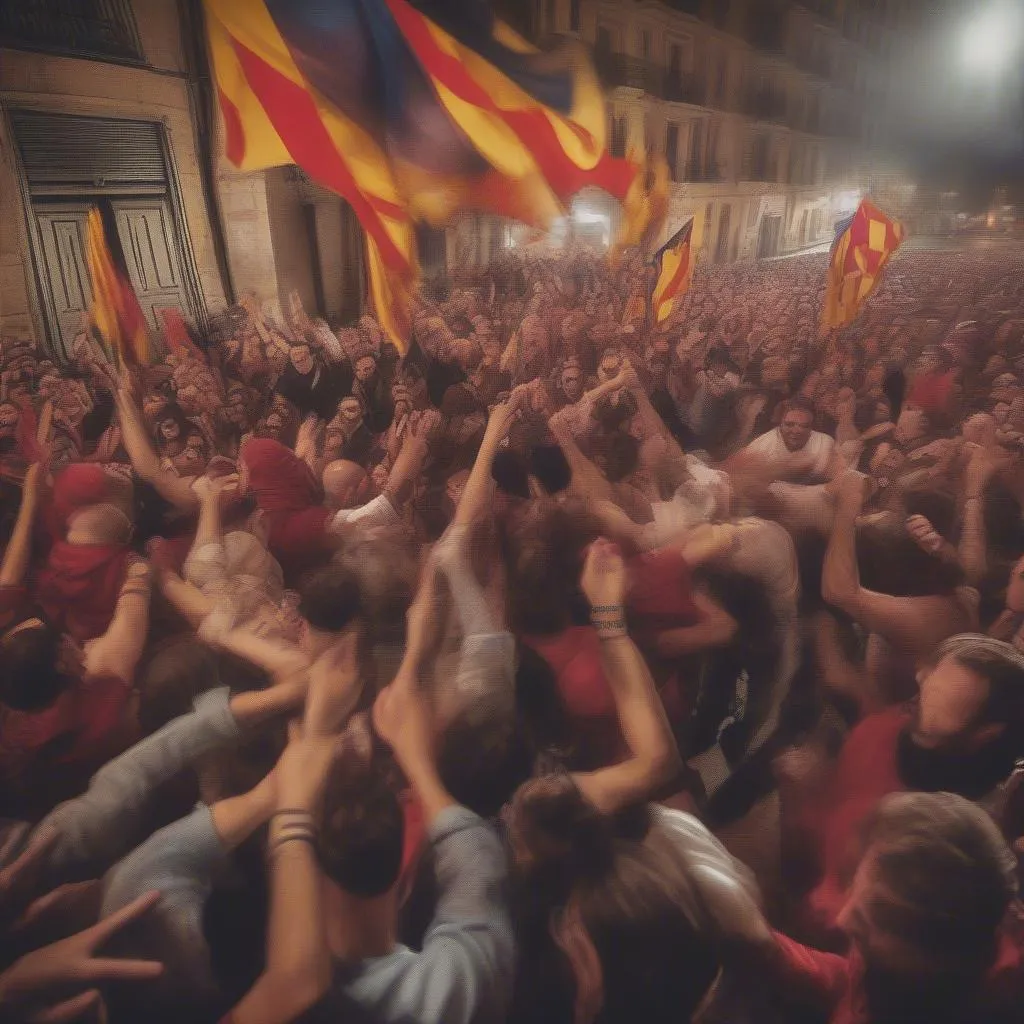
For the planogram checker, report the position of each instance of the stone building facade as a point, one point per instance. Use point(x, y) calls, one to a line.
point(111, 99)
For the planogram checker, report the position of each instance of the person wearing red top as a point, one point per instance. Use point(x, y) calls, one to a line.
point(963, 735)
point(64, 708)
point(934, 922)
point(291, 499)
point(79, 587)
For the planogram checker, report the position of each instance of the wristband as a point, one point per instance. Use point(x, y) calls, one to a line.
point(292, 810)
point(605, 608)
point(299, 837)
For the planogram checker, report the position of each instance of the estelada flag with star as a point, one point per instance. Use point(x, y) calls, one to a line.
point(674, 264)
point(864, 243)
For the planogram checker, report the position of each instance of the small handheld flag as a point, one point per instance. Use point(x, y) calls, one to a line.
point(114, 313)
point(674, 264)
point(863, 245)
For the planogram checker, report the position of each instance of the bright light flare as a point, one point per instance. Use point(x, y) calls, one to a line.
point(992, 39)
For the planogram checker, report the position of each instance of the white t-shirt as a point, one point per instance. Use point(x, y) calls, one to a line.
point(812, 459)
point(378, 512)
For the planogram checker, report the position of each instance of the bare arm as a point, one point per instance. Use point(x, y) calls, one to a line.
point(117, 652)
point(479, 486)
point(715, 629)
point(654, 757)
point(18, 553)
point(912, 624)
point(973, 550)
point(145, 460)
point(586, 476)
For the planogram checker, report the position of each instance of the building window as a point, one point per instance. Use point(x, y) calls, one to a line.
point(644, 43)
point(83, 28)
point(551, 21)
point(574, 15)
point(672, 148)
point(603, 45)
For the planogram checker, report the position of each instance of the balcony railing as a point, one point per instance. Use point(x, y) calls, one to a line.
point(88, 28)
point(618, 71)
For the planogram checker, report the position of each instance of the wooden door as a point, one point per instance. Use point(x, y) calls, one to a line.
point(62, 235)
point(146, 230)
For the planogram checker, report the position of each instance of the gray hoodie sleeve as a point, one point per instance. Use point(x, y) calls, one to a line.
point(103, 823)
point(464, 973)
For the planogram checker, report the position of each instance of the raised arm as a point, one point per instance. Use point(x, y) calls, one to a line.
point(18, 552)
point(117, 652)
point(913, 624)
point(586, 476)
point(145, 461)
point(654, 757)
point(479, 487)
point(973, 550)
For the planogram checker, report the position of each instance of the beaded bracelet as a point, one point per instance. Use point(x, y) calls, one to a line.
point(299, 837)
point(605, 608)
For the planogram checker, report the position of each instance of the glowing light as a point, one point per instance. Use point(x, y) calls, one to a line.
point(991, 40)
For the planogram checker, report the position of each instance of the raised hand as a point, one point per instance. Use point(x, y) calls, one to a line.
point(603, 580)
point(72, 962)
point(924, 534)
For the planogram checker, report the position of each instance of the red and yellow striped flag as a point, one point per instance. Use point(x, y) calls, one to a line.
point(115, 312)
point(409, 118)
point(674, 264)
point(863, 245)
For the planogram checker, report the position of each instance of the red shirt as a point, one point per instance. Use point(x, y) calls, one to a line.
point(50, 755)
point(866, 772)
point(575, 659)
point(830, 983)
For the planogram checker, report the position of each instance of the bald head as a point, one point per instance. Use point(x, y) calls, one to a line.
point(345, 483)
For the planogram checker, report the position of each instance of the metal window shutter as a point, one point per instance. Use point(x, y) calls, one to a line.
point(63, 149)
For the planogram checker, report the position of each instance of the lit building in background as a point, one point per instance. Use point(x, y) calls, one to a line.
point(765, 110)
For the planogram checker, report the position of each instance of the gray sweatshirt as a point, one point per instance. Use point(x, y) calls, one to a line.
point(103, 823)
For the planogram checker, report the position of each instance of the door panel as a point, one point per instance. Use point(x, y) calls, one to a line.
point(146, 230)
point(62, 233)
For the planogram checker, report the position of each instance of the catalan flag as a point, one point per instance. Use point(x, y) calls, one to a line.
point(115, 312)
point(863, 245)
point(644, 206)
point(410, 111)
point(674, 264)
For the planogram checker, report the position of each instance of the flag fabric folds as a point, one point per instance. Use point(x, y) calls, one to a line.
point(864, 243)
point(674, 265)
point(410, 111)
point(115, 313)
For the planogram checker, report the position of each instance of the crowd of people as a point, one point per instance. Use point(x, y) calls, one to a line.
point(562, 668)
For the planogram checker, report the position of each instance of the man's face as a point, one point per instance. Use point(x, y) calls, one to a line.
point(572, 383)
point(796, 429)
point(365, 368)
point(8, 420)
point(302, 358)
point(609, 368)
point(951, 699)
point(912, 425)
point(350, 411)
